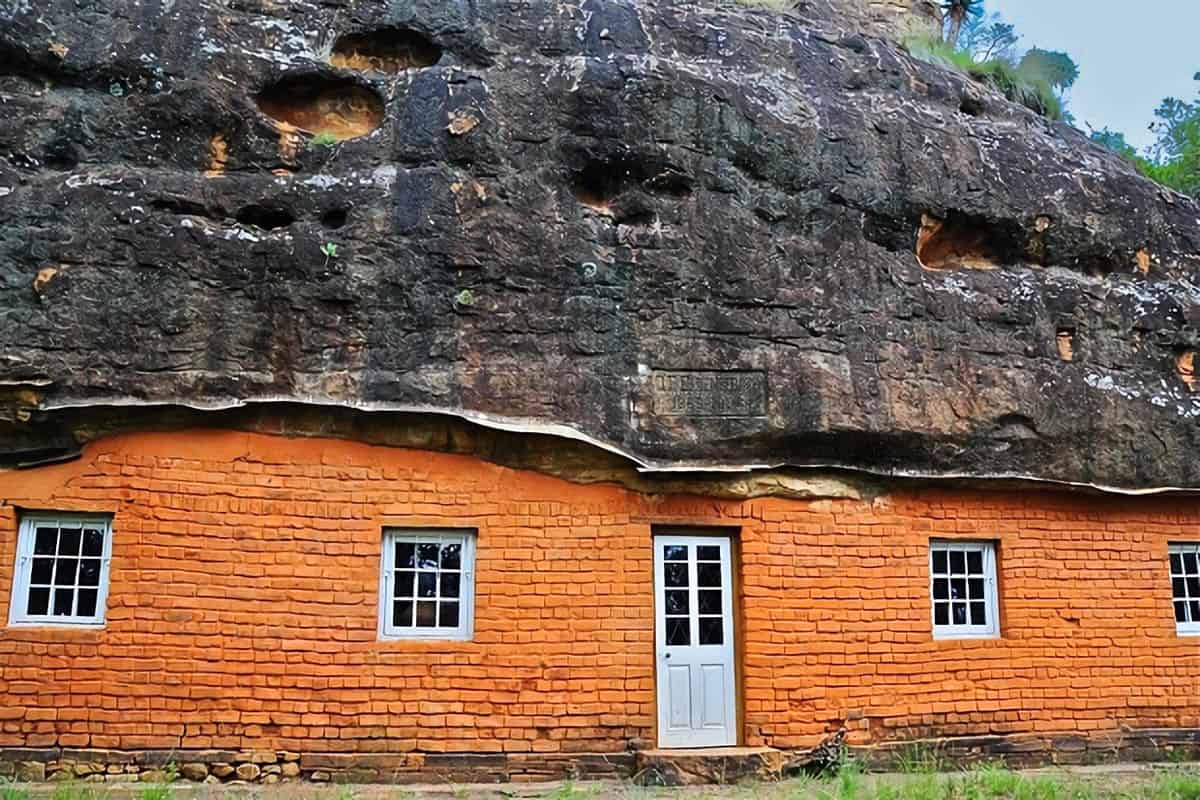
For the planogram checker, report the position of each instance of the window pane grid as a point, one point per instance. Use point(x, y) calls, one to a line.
point(1185, 586)
point(962, 588)
point(63, 569)
point(427, 584)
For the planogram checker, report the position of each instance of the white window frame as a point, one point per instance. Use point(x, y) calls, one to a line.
point(1179, 548)
point(992, 629)
point(18, 609)
point(466, 607)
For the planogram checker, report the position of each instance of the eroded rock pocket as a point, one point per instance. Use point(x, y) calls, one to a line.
point(390, 51)
point(317, 104)
point(960, 241)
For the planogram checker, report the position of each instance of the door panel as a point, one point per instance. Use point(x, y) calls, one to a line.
point(693, 601)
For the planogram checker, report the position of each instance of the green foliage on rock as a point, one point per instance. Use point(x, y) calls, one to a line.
point(1174, 160)
point(1028, 89)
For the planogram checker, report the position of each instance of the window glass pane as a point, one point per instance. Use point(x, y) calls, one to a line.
point(1194, 610)
point(93, 542)
point(46, 541)
point(1189, 563)
point(708, 575)
point(710, 601)
point(65, 570)
point(452, 556)
point(975, 588)
point(941, 589)
point(1193, 587)
point(959, 613)
point(406, 553)
point(450, 584)
point(64, 599)
point(711, 630)
point(676, 574)
point(1177, 587)
point(426, 615)
point(449, 615)
point(958, 589)
point(941, 613)
point(677, 602)
point(958, 562)
point(1176, 564)
point(1181, 614)
point(402, 586)
point(975, 562)
point(674, 552)
point(978, 613)
point(939, 562)
point(427, 584)
point(68, 541)
point(43, 569)
point(708, 553)
point(402, 614)
point(427, 555)
point(87, 603)
point(678, 632)
point(39, 602)
point(89, 572)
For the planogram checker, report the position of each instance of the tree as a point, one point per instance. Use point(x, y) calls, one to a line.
point(955, 14)
point(988, 37)
point(1115, 141)
point(1057, 69)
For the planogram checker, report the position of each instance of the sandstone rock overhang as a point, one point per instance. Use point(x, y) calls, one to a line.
point(700, 236)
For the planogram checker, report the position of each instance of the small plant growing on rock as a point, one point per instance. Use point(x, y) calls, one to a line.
point(323, 139)
point(329, 250)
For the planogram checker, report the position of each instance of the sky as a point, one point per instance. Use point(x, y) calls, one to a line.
point(1130, 55)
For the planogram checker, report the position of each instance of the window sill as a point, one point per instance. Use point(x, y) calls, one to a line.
point(955, 637)
point(27, 625)
point(1190, 630)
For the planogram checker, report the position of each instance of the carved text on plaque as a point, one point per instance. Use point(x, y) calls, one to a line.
point(709, 393)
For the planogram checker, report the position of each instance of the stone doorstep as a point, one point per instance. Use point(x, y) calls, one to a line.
point(716, 765)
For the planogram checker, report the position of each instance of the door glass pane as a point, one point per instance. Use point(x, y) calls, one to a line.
point(708, 575)
point(710, 601)
point(674, 552)
point(676, 574)
point(677, 602)
point(707, 552)
point(711, 630)
point(679, 632)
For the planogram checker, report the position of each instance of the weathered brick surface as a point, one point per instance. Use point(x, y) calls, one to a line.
point(242, 612)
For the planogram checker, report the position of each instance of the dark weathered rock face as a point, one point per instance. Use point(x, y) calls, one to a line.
point(687, 233)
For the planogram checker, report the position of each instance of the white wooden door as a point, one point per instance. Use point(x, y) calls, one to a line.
point(693, 605)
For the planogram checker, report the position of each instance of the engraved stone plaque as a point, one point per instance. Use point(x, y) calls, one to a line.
point(709, 393)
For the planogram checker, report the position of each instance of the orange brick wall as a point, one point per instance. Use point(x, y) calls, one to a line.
point(243, 609)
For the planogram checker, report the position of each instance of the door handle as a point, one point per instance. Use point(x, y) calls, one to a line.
point(666, 655)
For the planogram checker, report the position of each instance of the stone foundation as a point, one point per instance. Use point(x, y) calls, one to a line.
point(651, 767)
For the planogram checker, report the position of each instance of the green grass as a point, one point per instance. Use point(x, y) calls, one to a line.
point(323, 139)
point(1030, 91)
